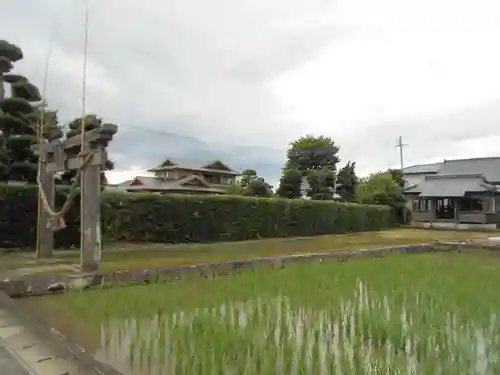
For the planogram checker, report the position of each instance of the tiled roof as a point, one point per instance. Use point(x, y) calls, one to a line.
point(190, 164)
point(160, 184)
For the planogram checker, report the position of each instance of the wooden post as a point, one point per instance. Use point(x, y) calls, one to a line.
point(90, 245)
point(63, 155)
point(432, 211)
point(45, 234)
point(457, 212)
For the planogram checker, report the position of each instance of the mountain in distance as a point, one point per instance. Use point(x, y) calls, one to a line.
point(148, 149)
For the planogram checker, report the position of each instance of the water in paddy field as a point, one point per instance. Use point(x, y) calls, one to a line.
point(367, 334)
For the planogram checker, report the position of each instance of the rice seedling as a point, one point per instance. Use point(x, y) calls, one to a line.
point(404, 314)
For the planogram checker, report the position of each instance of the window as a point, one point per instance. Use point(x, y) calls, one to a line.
point(471, 204)
point(421, 205)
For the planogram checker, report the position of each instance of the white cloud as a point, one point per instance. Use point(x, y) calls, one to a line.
point(118, 175)
point(264, 72)
point(412, 59)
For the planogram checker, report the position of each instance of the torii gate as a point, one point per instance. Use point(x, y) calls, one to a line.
point(58, 156)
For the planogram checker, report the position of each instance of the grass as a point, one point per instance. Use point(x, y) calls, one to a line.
point(132, 256)
point(402, 314)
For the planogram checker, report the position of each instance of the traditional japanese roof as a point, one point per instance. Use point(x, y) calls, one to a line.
point(454, 178)
point(422, 168)
point(211, 166)
point(488, 167)
point(189, 183)
point(450, 185)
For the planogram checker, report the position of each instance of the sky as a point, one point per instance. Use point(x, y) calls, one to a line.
point(238, 80)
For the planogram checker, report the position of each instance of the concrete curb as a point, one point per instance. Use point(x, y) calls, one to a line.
point(39, 348)
point(41, 285)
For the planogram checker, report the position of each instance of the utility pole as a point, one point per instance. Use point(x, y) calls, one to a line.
point(401, 145)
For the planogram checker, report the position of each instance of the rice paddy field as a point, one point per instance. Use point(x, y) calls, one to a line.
point(434, 313)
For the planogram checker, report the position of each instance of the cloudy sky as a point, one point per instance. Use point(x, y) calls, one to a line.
point(240, 79)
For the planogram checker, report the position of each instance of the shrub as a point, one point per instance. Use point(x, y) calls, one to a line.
point(188, 218)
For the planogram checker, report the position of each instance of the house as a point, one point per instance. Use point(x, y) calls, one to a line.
point(462, 193)
point(180, 176)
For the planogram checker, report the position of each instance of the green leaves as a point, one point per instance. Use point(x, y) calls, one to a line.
point(347, 182)
point(16, 105)
point(314, 158)
point(290, 184)
point(191, 218)
point(26, 90)
point(5, 65)
point(10, 124)
point(380, 189)
point(321, 183)
point(10, 51)
point(309, 152)
point(14, 78)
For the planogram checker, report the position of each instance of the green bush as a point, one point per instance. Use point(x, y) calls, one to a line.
point(194, 218)
point(18, 209)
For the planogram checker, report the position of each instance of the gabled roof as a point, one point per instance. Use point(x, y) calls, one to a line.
point(205, 166)
point(144, 183)
point(450, 185)
point(488, 167)
point(422, 168)
point(216, 164)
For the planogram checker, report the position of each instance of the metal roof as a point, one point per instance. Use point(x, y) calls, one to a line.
point(488, 167)
point(422, 168)
point(449, 185)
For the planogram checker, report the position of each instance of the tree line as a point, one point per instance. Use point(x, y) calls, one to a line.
point(311, 171)
point(22, 113)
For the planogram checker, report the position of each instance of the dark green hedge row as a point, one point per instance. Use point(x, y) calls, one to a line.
point(183, 218)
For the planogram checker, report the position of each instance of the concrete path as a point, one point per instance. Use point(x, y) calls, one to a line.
point(22, 353)
point(9, 365)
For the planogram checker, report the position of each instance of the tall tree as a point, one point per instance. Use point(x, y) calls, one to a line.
point(75, 126)
point(258, 187)
point(247, 176)
point(305, 155)
point(290, 184)
point(18, 119)
point(309, 152)
point(251, 185)
point(397, 176)
point(347, 182)
point(321, 183)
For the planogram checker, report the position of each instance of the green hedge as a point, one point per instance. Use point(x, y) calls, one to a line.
point(182, 218)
